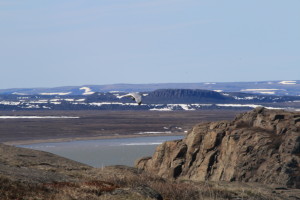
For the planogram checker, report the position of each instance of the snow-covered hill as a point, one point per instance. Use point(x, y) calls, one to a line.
point(158, 100)
point(281, 87)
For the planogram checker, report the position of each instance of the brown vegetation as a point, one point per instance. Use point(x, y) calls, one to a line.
point(130, 187)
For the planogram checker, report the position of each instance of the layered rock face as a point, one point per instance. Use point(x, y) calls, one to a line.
point(258, 146)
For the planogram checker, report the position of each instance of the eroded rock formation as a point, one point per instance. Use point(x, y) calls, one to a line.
point(258, 146)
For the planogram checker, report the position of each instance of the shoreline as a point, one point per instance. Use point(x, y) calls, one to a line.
point(94, 125)
point(71, 139)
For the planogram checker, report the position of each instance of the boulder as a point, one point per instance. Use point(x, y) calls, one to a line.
point(257, 146)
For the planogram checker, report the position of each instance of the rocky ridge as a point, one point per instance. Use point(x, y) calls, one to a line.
point(258, 146)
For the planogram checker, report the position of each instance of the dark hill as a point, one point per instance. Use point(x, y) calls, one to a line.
point(184, 96)
point(166, 96)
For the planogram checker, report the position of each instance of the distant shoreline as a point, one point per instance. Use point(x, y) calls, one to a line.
point(57, 140)
point(94, 125)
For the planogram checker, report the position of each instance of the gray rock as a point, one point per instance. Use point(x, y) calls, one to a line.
point(258, 146)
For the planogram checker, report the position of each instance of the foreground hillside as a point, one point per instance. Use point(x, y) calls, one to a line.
point(260, 161)
point(29, 174)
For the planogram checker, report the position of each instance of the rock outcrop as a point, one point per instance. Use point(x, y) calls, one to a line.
point(258, 146)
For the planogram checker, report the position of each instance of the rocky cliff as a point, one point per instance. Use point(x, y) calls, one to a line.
point(258, 146)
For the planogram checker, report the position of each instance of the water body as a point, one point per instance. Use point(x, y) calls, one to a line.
point(105, 152)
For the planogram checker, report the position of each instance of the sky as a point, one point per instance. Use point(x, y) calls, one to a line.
point(54, 43)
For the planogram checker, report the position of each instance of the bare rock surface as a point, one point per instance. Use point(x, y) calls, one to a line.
point(258, 146)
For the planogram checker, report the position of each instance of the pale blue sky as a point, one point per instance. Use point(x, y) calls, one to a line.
point(70, 42)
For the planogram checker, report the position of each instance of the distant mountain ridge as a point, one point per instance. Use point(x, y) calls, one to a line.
point(281, 87)
point(160, 100)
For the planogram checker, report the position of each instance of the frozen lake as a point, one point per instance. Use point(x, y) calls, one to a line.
point(104, 152)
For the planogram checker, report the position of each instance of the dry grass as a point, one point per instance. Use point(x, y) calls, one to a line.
point(52, 191)
point(102, 190)
point(185, 190)
point(19, 191)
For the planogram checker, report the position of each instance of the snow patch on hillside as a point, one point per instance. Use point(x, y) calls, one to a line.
point(171, 107)
point(200, 105)
point(288, 82)
point(161, 109)
point(254, 90)
point(105, 103)
point(209, 83)
point(114, 92)
point(245, 105)
point(56, 93)
point(243, 98)
point(238, 105)
point(267, 92)
point(87, 90)
point(19, 93)
point(261, 91)
point(11, 103)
